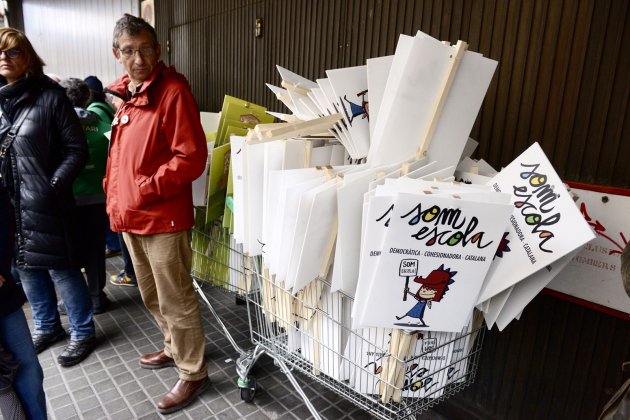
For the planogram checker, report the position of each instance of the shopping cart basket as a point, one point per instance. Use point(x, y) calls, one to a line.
point(389, 373)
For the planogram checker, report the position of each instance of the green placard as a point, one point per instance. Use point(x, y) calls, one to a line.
point(218, 181)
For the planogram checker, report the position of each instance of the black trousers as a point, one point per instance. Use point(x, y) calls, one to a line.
point(92, 221)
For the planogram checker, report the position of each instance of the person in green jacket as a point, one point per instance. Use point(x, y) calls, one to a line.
point(114, 241)
point(89, 195)
point(105, 112)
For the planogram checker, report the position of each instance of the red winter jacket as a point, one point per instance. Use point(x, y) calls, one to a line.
point(157, 149)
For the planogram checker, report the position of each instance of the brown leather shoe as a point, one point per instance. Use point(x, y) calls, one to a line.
point(157, 360)
point(182, 394)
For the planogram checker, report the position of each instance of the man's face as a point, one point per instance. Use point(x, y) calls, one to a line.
point(138, 55)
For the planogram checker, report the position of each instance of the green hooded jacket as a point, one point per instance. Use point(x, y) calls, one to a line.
point(88, 187)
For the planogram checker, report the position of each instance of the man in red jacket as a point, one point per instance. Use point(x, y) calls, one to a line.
point(157, 149)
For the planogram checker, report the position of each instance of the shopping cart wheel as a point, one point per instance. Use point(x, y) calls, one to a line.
point(248, 388)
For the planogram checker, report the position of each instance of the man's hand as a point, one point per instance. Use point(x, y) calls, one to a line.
point(1, 280)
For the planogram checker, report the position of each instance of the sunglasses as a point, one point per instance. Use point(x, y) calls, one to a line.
point(12, 53)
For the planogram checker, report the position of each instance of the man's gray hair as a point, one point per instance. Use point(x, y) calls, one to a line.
point(132, 25)
point(77, 91)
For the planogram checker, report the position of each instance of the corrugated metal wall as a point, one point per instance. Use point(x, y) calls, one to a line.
point(562, 77)
point(74, 37)
point(563, 80)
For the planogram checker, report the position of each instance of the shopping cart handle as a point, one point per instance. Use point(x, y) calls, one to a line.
point(229, 202)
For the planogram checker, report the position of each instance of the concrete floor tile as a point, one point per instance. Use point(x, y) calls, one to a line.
point(332, 413)
point(117, 370)
point(56, 391)
point(60, 401)
point(128, 388)
point(96, 413)
point(274, 409)
point(156, 390)
point(96, 366)
point(82, 393)
point(109, 395)
point(103, 385)
point(245, 409)
point(143, 408)
point(115, 406)
point(65, 412)
point(228, 414)
point(218, 404)
point(136, 397)
point(88, 403)
point(257, 416)
point(125, 413)
point(156, 416)
point(96, 377)
point(111, 361)
point(78, 383)
point(123, 378)
point(199, 411)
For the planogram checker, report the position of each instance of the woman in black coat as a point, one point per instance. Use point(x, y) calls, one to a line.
point(45, 156)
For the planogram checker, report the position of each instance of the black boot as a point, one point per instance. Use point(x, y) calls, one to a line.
point(76, 351)
point(42, 341)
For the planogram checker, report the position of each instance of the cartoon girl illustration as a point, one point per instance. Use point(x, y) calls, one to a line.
point(356, 110)
point(432, 288)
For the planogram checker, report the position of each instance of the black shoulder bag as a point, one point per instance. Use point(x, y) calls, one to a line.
point(5, 145)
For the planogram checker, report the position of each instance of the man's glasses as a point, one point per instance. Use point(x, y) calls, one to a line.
point(11, 54)
point(144, 52)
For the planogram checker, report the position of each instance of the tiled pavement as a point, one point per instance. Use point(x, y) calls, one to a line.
point(109, 384)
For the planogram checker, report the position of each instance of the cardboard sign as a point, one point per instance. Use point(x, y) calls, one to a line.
point(351, 91)
point(545, 224)
point(454, 241)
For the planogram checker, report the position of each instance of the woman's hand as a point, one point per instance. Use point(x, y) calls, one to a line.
point(1, 280)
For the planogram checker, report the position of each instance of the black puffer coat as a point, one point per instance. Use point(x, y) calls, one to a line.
point(48, 153)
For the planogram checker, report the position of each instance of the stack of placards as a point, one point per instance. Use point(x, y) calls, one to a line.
point(360, 178)
point(546, 229)
point(259, 171)
point(337, 105)
point(422, 101)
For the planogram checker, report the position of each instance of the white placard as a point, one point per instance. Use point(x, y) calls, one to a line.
point(454, 241)
point(545, 224)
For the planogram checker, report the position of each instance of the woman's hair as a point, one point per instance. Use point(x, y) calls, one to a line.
point(77, 91)
point(132, 25)
point(13, 38)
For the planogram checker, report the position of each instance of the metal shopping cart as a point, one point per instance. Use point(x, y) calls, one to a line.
point(389, 373)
